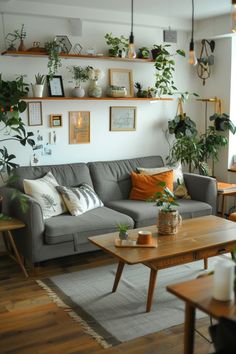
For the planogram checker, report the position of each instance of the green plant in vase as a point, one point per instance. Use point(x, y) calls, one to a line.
point(80, 75)
point(118, 45)
point(123, 231)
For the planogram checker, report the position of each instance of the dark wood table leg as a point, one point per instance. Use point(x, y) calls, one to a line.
point(13, 245)
point(152, 283)
point(189, 328)
point(119, 271)
point(205, 263)
point(223, 206)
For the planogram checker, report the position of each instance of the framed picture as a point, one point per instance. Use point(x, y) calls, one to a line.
point(122, 77)
point(35, 113)
point(55, 86)
point(79, 127)
point(122, 118)
point(55, 120)
point(64, 43)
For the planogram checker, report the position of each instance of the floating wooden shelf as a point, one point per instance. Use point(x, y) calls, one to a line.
point(97, 99)
point(74, 56)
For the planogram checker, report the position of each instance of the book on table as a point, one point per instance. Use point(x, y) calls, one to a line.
point(226, 187)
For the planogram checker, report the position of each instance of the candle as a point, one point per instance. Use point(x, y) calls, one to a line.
point(223, 285)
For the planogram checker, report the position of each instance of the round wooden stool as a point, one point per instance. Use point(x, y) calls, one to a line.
point(232, 217)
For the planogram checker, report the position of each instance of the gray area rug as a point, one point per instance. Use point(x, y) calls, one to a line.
point(112, 318)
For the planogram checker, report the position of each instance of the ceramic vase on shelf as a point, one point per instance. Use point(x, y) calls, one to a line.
point(37, 90)
point(94, 89)
point(78, 91)
point(22, 47)
point(168, 222)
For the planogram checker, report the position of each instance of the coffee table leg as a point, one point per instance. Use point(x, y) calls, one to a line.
point(152, 283)
point(119, 271)
point(205, 263)
point(189, 329)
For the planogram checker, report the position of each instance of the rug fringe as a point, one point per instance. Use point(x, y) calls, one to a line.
point(53, 296)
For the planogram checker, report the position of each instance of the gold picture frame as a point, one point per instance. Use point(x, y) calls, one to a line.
point(122, 118)
point(35, 113)
point(55, 120)
point(79, 127)
point(124, 78)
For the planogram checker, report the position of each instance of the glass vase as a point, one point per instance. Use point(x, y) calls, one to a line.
point(94, 89)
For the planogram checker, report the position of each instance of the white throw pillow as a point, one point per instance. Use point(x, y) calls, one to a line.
point(44, 191)
point(79, 199)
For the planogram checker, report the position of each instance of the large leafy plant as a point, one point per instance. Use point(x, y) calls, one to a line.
point(11, 124)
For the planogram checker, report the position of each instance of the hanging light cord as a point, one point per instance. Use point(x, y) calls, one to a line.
point(192, 20)
point(132, 15)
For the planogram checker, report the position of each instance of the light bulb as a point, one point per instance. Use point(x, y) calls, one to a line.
point(131, 49)
point(234, 17)
point(192, 56)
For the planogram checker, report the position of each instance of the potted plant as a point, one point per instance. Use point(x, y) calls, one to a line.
point(123, 231)
point(94, 75)
point(168, 217)
point(80, 75)
point(12, 127)
point(143, 53)
point(53, 50)
point(39, 85)
point(118, 45)
point(222, 122)
point(149, 92)
point(165, 65)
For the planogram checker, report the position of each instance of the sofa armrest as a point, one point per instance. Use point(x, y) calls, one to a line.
point(30, 239)
point(202, 188)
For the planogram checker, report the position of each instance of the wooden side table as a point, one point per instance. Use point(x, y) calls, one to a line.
point(197, 294)
point(228, 190)
point(6, 226)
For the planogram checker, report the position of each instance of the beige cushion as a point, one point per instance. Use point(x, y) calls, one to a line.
point(79, 199)
point(44, 191)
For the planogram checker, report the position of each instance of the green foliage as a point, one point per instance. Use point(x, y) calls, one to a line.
point(116, 44)
point(53, 50)
point(222, 122)
point(165, 65)
point(122, 227)
point(80, 74)
point(39, 79)
point(12, 127)
point(149, 92)
point(182, 125)
point(164, 199)
point(143, 52)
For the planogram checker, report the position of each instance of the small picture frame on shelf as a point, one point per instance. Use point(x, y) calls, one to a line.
point(55, 120)
point(122, 78)
point(55, 86)
point(122, 118)
point(35, 113)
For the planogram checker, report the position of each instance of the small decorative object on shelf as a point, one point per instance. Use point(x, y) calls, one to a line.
point(80, 75)
point(123, 231)
point(64, 43)
point(94, 75)
point(168, 219)
point(118, 45)
point(39, 85)
point(150, 92)
point(143, 53)
point(116, 91)
point(17, 34)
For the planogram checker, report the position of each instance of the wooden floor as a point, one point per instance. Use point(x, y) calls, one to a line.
point(30, 323)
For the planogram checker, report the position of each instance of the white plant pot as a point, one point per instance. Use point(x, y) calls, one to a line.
point(37, 90)
point(78, 92)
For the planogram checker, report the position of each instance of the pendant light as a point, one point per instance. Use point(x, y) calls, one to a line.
point(131, 50)
point(192, 56)
point(234, 16)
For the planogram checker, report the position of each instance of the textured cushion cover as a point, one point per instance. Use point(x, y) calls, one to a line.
point(144, 186)
point(44, 191)
point(79, 199)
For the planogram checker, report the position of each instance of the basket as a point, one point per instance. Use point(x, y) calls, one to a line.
point(168, 222)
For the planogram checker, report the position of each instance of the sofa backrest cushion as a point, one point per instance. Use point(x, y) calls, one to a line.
point(112, 179)
point(70, 175)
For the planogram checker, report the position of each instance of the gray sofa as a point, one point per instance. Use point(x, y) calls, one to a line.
point(63, 235)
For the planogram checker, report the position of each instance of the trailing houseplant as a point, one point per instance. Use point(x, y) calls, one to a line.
point(165, 66)
point(118, 45)
point(53, 50)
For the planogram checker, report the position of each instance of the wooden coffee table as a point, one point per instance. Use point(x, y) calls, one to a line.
point(198, 238)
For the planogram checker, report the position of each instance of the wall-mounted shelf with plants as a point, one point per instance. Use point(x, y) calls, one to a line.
point(98, 99)
point(74, 56)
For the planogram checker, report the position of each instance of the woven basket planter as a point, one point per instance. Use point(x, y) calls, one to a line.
point(168, 223)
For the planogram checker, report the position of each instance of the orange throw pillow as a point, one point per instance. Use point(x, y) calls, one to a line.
point(144, 186)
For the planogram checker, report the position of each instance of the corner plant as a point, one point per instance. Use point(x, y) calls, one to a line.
point(117, 44)
point(80, 74)
point(53, 50)
point(165, 199)
point(165, 65)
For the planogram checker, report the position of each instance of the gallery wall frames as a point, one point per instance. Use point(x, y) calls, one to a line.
point(35, 113)
point(79, 127)
point(122, 78)
point(122, 118)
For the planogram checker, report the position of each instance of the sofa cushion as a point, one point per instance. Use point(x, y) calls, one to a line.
point(111, 179)
point(44, 191)
point(79, 199)
point(70, 175)
point(145, 186)
point(67, 228)
point(145, 213)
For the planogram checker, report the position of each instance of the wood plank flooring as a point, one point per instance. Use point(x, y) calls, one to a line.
point(30, 323)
